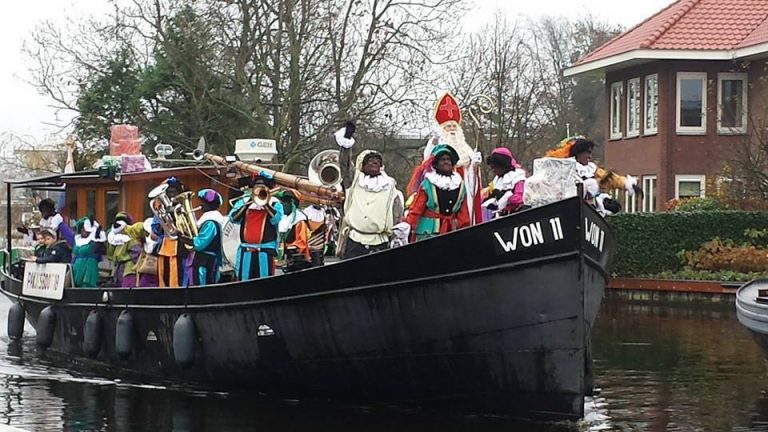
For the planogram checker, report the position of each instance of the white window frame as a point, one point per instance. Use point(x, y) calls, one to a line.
point(630, 203)
point(634, 82)
point(650, 108)
point(649, 193)
point(732, 76)
point(614, 122)
point(689, 178)
point(692, 130)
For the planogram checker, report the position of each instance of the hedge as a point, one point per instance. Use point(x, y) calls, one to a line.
point(649, 243)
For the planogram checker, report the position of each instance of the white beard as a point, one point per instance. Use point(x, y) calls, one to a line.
point(459, 143)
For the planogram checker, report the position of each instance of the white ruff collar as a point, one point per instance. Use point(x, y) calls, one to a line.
point(509, 180)
point(116, 237)
point(92, 237)
point(212, 215)
point(378, 183)
point(444, 182)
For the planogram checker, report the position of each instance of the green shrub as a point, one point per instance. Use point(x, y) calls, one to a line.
point(650, 243)
point(699, 204)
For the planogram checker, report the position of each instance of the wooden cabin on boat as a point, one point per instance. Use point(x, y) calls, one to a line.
point(89, 193)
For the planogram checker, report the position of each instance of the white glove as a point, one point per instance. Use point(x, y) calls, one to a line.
point(477, 158)
point(342, 141)
point(490, 202)
point(629, 184)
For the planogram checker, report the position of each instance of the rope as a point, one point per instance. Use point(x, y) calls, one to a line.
point(215, 180)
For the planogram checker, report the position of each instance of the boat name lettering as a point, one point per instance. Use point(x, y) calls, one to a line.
point(594, 235)
point(529, 235)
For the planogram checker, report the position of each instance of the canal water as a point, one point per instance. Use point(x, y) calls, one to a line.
point(659, 367)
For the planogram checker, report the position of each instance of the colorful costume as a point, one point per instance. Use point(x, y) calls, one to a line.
point(56, 222)
point(505, 193)
point(294, 233)
point(447, 115)
point(87, 252)
point(142, 247)
point(119, 245)
point(316, 222)
point(208, 257)
point(440, 205)
point(371, 209)
point(173, 257)
point(258, 233)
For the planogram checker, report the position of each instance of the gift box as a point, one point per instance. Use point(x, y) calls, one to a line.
point(134, 163)
point(124, 140)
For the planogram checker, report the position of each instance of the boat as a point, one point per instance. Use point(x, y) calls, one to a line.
point(752, 311)
point(494, 319)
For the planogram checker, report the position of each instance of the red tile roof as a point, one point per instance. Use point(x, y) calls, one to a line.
point(705, 25)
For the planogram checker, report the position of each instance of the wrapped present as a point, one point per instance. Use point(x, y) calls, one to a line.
point(134, 163)
point(553, 179)
point(124, 140)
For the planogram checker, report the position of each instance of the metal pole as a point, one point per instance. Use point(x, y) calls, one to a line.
point(8, 225)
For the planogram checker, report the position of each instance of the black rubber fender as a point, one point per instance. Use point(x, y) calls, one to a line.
point(46, 326)
point(124, 334)
point(184, 341)
point(16, 318)
point(92, 334)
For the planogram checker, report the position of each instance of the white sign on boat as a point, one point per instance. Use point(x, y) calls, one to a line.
point(44, 280)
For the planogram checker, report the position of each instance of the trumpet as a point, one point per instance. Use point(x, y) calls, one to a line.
point(259, 195)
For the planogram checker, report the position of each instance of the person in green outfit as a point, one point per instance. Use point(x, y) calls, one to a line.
point(119, 245)
point(89, 246)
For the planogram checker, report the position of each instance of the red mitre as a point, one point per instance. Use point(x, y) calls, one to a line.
point(447, 109)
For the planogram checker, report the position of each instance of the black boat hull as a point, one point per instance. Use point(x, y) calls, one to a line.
point(484, 334)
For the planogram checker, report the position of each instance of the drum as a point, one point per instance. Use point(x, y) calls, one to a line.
point(230, 240)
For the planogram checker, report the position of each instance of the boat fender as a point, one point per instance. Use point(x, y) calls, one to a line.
point(184, 341)
point(124, 335)
point(16, 316)
point(46, 326)
point(92, 334)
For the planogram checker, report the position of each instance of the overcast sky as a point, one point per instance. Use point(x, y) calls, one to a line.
point(24, 112)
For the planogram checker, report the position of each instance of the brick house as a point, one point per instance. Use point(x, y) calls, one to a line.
point(682, 89)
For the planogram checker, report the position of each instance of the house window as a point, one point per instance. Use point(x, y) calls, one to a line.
point(633, 107)
point(111, 204)
point(649, 194)
point(616, 110)
point(90, 203)
point(731, 103)
point(630, 203)
point(72, 204)
point(691, 103)
point(689, 186)
point(651, 104)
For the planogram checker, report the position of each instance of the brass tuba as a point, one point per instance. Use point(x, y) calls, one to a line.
point(162, 206)
point(184, 214)
point(325, 169)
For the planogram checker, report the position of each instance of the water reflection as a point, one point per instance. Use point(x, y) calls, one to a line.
point(660, 368)
point(678, 367)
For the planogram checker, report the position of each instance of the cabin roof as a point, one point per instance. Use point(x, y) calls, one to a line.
point(57, 181)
